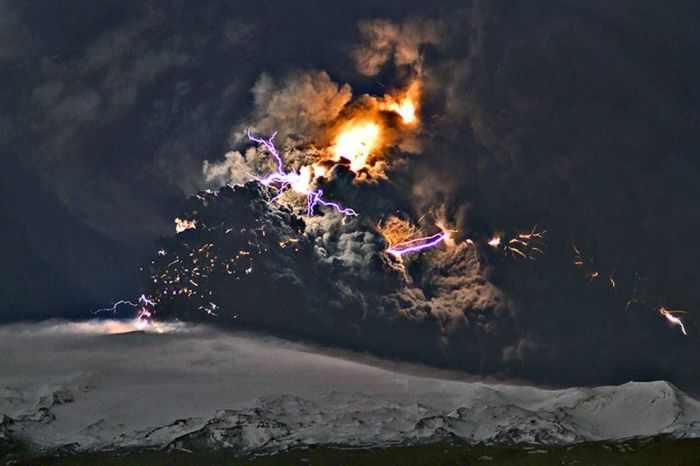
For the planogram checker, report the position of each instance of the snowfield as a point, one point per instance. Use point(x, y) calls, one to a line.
point(90, 385)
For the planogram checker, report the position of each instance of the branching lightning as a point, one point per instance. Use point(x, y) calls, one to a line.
point(285, 180)
point(144, 305)
point(315, 197)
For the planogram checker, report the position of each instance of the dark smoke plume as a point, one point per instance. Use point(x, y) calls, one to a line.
point(531, 113)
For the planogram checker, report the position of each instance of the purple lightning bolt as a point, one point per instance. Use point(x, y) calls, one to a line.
point(285, 180)
point(270, 146)
point(418, 244)
point(314, 198)
point(144, 315)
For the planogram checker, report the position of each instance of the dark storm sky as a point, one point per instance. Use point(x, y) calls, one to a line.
point(580, 115)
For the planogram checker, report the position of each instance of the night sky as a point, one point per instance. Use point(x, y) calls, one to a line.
point(581, 117)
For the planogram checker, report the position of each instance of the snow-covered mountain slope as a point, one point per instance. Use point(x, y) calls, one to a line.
point(78, 386)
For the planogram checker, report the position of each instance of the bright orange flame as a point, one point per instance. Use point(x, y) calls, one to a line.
point(405, 105)
point(356, 141)
point(364, 131)
point(406, 110)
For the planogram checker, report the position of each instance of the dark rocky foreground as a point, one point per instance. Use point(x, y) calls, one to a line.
point(638, 452)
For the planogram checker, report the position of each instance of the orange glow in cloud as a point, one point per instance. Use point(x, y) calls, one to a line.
point(365, 132)
point(396, 230)
point(356, 141)
point(405, 105)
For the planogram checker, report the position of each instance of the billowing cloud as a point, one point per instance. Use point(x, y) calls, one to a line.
point(398, 42)
point(299, 104)
point(236, 168)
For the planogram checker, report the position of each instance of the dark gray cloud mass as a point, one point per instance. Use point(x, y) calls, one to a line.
point(581, 117)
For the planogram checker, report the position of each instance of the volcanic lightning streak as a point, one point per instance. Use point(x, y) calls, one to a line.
point(143, 300)
point(116, 305)
point(294, 180)
point(144, 314)
point(672, 318)
point(314, 198)
point(418, 244)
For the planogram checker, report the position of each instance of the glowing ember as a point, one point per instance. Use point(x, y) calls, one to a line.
point(356, 142)
point(672, 318)
point(495, 242)
point(527, 245)
point(183, 224)
point(578, 257)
